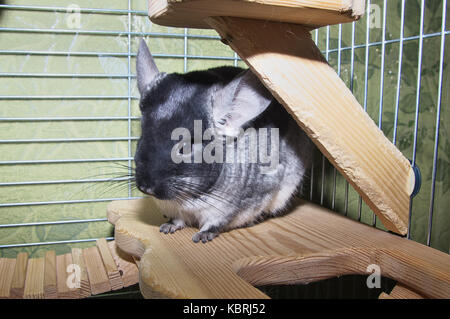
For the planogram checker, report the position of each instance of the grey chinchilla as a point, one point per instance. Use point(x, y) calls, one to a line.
point(232, 104)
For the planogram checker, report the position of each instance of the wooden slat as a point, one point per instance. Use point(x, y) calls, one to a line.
point(62, 276)
point(191, 13)
point(50, 288)
point(20, 271)
point(85, 287)
point(127, 267)
point(7, 266)
point(110, 265)
point(34, 282)
point(286, 60)
point(98, 277)
point(402, 292)
point(384, 295)
point(308, 244)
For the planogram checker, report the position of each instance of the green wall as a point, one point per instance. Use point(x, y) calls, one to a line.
point(117, 64)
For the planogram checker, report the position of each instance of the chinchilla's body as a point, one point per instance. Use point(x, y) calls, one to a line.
point(233, 105)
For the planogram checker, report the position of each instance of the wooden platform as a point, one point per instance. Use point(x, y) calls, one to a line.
point(400, 292)
point(79, 274)
point(315, 13)
point(309, 244)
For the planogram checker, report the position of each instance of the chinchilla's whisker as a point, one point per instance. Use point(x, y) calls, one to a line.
point(204, 200)
point(118, 187)
point(207, 174)
point(210, 194)
point(114, 174)
point(216, 191)
point(114, 183)
point(193, 187)
point(95, 185)
point(184, 198)
point(120, 165)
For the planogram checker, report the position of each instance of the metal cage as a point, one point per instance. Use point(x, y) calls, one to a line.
point(393, 60)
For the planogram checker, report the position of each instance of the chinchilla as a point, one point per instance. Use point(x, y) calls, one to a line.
point(217, 151)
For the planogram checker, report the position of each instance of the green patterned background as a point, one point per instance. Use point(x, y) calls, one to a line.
point(47, 64)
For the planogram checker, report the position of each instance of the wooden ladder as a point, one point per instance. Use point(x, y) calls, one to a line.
point(79, 274)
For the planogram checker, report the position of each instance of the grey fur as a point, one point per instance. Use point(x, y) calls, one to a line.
point(240, 194)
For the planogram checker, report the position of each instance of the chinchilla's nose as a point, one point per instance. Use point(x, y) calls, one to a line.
point(147, 190)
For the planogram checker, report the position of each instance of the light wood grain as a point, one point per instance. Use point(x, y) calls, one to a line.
point(314, 13)
point(110, 265)
point(34, 282)
point(64, 278)
point(7, 266)
point(384, 295)
point(310, 243)
point(50, 287)
point(128, 269)
point(20, 271)
point(85, 287)
point(98, 277)
point(290, 65)
point(402, 292)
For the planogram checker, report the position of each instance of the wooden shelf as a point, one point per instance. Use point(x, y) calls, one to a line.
point(310, 243)
point(315, 13)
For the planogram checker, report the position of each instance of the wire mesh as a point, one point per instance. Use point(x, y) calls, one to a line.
point(356, 50)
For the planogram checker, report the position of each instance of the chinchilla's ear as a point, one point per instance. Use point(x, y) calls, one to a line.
point(145, 67)
point(239, 102)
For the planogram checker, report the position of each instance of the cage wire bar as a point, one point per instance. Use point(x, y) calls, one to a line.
point(186, 36)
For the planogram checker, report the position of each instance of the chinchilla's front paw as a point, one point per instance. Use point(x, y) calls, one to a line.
point(204, 236)
point(172, 226)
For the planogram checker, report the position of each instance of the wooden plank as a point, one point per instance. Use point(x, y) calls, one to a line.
point(20, 271)
point(127, 267)
point(85, 287)
point(50, 288)
point(286, 60)
point(191, 13)
point(98, 277)
point(110, 265)
point(7, 266)
point(402, 292)
point(34, 282)
point(384, 295)
point(308, 244)
point(66, 278)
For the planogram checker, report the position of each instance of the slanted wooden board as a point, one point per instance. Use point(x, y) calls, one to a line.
point(127, 266)
point(290, 65)
point(66, 277)
point(190, 13)
point(50, 282)
point(7, 266)
point(110, 265)
point(98, 277)
point(77, 256)
point(34, 282)
point(402, 292)
point(310, 243)
point(384, 295)
point(20, 271)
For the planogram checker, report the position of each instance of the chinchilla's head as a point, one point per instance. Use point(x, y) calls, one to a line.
point(181, 115)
